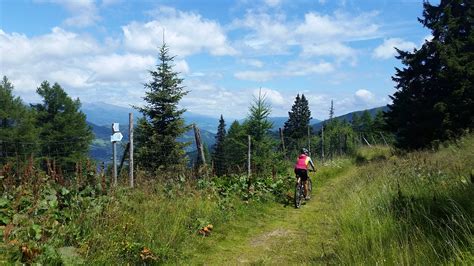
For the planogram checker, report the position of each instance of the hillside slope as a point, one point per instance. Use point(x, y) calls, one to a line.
point(348, 117)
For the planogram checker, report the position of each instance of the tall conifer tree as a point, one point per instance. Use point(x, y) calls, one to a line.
point(296, 127)
point(64, 135)
point(435, 94)
point(331, 111)
point(18, 133)
point(258, 127)
point(235, 148)
point(218, 154)
point(162, 122)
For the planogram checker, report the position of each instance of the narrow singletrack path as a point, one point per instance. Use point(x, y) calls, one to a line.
point(281, 235)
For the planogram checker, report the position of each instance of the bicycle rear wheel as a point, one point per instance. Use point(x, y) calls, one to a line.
point(298, 195)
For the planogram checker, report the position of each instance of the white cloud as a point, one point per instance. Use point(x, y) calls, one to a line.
point(273, 3)
point(292, 69)
point(317, 35)
point(252, 62)
point(119, 68)
point(387, 49)
point(230, 103)
point(303, 68)
point(77, 62)
point(84, 12)
point(70, 77)
point(17, 48)
point(364, 96)
point(181, 66)
point(186, 33)
point(268, 34)
point(336, 49)
point(339, 27)
point(110, 2)
point(255, 75)
point(272, 96)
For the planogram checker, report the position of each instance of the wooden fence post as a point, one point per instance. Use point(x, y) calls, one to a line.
point(249, 170)
point(282, 139)
point(114, 162)
point(383, 139)
point(309, 140)
point(199, 146)
point(130, 135)
point(322, 142)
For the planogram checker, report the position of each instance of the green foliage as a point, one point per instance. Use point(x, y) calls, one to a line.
point(64, 133)
point(258, 127)
point(41, 217)
point(435, 96)
point(415, 209)
point(235, 149)
point(338, 138)
point(296, 128)
point(17, 126)
point(218, 154)
point(162, 122)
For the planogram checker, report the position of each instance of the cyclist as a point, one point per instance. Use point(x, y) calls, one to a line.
point(301, 169)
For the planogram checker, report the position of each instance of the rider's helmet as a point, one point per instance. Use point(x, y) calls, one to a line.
point(305, 151)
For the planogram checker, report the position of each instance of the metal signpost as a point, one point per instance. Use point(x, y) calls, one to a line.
point(116, 136)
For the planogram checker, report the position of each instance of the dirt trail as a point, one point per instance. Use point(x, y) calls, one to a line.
point(283, 235)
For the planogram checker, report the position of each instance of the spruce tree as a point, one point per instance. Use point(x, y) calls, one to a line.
point(235, 148)
point(64, 133)
point(258, 127)
point(18, 134)
point(218, 154)
point(162, 122)
point(366, 122)
point(434, 95)
point(331, 111)
point(296, 127)
point(356, 123)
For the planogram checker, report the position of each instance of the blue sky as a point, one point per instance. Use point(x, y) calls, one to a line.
point(100, 51)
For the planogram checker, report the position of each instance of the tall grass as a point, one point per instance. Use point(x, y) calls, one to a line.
point(416, 209)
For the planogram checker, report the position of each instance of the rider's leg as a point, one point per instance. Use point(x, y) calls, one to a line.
point(306, 188)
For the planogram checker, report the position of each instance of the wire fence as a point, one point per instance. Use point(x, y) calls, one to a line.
point(18, 159)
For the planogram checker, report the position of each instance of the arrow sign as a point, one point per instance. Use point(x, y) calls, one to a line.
point(115, 127)
point(116, 137)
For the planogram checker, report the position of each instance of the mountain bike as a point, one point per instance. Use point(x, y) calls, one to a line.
point(299, 191)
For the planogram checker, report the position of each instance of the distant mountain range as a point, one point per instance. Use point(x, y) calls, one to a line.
point(100, 117)
point(348, 117)
point(103, 114)
point(101, 148)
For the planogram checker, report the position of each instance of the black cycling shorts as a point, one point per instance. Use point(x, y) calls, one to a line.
point(302, 173)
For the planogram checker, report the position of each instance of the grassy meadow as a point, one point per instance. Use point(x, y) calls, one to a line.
point(376, 207)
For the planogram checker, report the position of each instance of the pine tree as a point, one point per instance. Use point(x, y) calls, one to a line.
point(378, 123)
point(331, 111)
point(296, 127)
point(162, 122)
point(356, 123)
point(258, 127)
point(218, 154)
point(366, 122)
point(64, 133)
point(235, 148)
point(434, 95)
point(18, 134)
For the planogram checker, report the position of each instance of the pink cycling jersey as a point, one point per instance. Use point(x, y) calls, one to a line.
point(302, 162)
